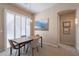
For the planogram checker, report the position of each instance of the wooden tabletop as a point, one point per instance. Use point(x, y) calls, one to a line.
point(20, 40)
point(25, 39)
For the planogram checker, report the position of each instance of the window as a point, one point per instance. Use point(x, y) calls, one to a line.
point(16, 25)
point(23, 26)
point(9, 27)
point(27, 27)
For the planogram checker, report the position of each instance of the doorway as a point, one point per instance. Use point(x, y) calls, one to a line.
point(67, 27)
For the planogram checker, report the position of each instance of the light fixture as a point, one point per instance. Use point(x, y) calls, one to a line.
point(30, 20)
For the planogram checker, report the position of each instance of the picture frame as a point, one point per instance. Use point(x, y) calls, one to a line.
point(41, 24)
point(66, 27)
point(66, 30)
point(66, 24)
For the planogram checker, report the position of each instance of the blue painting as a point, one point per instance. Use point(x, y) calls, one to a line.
point(41, 24)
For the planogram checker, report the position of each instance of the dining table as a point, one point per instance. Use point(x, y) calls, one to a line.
point(27, 40)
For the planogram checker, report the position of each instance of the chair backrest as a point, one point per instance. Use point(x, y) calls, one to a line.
point(23, 36)
point(37, 35)
point(34, 43)
point(11, 43)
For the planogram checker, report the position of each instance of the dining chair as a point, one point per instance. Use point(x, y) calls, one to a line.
point(23, 36)
point(14, 45)
point(34, 45)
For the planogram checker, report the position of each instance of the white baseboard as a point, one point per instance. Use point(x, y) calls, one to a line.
point(50, 44)
point(61, 45)
point(67, 47)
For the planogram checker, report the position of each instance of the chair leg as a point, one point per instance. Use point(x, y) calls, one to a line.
point(10, 51)
point(32, 52)
point(16, 53)
point(37, 49)
point(27, 49)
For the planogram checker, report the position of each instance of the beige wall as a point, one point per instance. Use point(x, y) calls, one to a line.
point(77, 29)
point(52, 36)
point(12, 8)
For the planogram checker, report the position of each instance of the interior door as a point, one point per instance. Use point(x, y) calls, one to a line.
point(67, 28)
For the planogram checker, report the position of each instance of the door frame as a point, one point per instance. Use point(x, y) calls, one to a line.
point(59, 29)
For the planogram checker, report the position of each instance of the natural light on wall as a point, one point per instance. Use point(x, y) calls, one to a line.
point(76, 21)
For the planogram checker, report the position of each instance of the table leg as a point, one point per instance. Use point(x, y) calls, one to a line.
point(41, 42)
point(24, 48)
point(19, 50)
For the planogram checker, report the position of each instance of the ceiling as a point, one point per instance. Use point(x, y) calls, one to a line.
point(35, 7)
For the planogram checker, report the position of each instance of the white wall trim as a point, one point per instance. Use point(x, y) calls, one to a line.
point(67, 47)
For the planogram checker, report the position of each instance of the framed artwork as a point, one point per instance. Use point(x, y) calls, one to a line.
point(66, 24)
point(66, 27)
point(41, 24)
point(66, 30)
